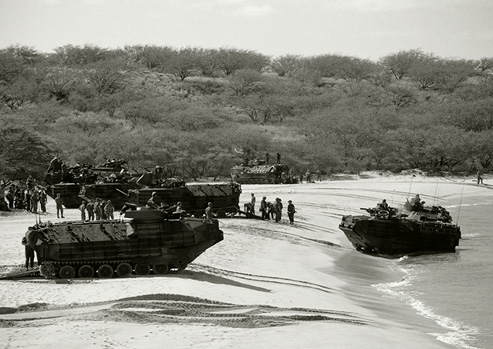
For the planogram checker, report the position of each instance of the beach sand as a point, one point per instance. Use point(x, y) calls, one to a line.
point(266, 285)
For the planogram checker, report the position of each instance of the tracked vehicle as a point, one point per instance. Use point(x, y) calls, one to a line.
point(146, 241)
point(262, 174)
point(194, 197)
point(396, 232)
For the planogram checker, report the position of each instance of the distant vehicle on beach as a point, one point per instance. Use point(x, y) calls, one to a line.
point(412, 229)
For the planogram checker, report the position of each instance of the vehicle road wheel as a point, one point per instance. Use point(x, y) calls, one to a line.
point(160, 269)
point(67, 272)
point(86, 271)
point(221, 214)
point(105, 271)
point(142, 269)
point(124, 269)
point(47, 270)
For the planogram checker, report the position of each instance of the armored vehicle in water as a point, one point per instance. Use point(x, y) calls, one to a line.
point(145, 241)
point(410, 229)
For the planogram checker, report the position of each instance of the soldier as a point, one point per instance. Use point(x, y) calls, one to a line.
point(98, 209)
point(34, 201)
point(252, 201)
point(90, 210)
point(109, 209)
point(18, 198)
point(59, 206)
point(383, 205)
point(82, 209)
point(263, 208)
point(3, 203)
point(29, 254)
point(42, 200)
point(208, 212)
point(480, 178)
point(55, 164)
point(179, 209)
point(11, 195)
point(30, 183)
point(152, 203)
point(278, 209)
point(291, 212)
point(27, 199)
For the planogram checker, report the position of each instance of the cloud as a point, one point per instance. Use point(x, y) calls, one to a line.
point(255, 11)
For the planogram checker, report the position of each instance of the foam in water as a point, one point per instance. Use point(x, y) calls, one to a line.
point(459, 335)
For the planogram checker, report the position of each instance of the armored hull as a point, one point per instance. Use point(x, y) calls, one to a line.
point(194, 197)
point(116, 192)
point(399, 236)
point(69, 192)
point(146, 241)
point(261, 174)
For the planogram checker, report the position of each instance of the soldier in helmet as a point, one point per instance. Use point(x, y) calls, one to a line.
point(59, 206)
point(208, 212)
point(109, 209)
point(153, 202)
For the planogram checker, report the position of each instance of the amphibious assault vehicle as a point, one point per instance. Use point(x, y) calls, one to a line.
point(194, 197)
point(402, 231)
point(108, 181)
point(145, 241)
point(262, 174)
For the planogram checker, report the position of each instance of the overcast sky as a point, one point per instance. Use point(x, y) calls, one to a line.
point(361, 28)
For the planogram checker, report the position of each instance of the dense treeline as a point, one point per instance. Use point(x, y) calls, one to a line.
point(192, 110)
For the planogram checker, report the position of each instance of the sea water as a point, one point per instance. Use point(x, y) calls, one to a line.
point(455, 289)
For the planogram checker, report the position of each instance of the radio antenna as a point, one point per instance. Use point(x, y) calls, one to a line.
point(460, 204)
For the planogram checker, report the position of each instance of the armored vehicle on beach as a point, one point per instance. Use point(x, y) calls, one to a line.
point(145, 241)
point(261, 174)
point(194, 197)
point(402, 231)
point(108, 181)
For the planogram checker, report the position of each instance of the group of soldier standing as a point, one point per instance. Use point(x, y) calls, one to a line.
point(96, 209)
point(33, 198)
point(270, 210)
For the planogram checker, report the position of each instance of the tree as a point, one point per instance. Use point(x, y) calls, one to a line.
point(11, 67)
point(22, 153)
point(28, 54)
point(244, 81)
point(104, 78)
point(184, 63)
point(400, 63)
point(287, 65)
point(354, 69)
point(430, 72)
point(72, 56)
point(231, 60)
point(485, 64)
point(58, 81)
point(17, 93)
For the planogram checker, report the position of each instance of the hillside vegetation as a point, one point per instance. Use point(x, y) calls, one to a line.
point(194, 110)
